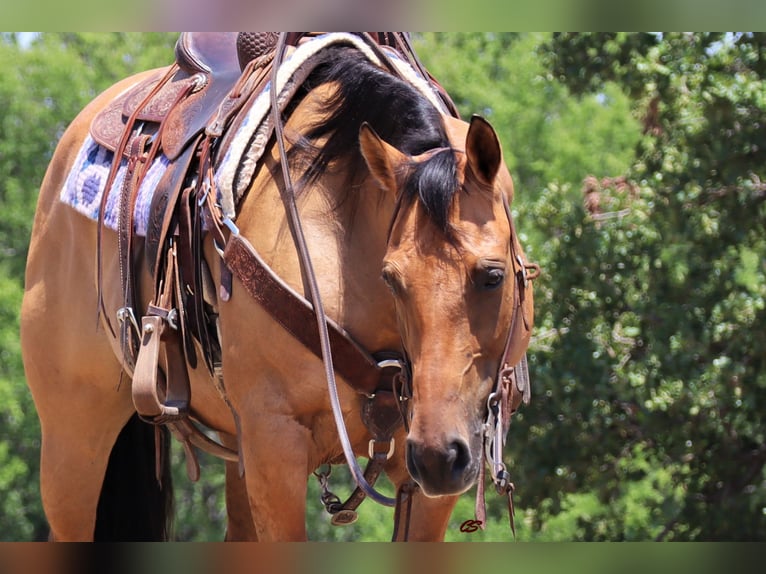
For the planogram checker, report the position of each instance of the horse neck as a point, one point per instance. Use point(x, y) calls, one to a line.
point(368, 303)
point(346, 239)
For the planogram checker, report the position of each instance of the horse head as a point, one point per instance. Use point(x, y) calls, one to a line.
point(450, 264)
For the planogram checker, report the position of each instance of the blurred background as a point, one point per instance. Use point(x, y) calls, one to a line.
point(640, 168)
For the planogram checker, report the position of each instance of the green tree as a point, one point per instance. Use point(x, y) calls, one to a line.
point(34, 102)
point(651, 350)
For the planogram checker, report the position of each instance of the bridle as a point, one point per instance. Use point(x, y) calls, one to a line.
point(511, 386)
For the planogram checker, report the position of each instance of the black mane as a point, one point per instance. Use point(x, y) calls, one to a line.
point(397, 112)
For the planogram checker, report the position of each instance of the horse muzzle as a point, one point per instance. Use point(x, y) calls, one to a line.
point(444, 468)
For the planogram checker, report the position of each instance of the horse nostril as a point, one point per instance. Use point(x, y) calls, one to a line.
point(448, 462)
point(441, 467)
point(412, 459)
point(459, 455)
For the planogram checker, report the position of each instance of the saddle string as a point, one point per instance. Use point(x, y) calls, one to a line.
point(118, 153)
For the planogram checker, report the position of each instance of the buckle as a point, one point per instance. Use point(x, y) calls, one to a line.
point(126, 314)
point(170, 316)
point(372, 452)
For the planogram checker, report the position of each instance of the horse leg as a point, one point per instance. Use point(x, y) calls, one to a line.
point(73, 377)
point(276, 476)
point(239, 525)
point(71, 474)
point(75, 452)
point(97, 474)
point(72, 373)
point(427, 519)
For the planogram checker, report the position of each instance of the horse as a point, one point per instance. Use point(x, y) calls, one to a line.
point(405, 212)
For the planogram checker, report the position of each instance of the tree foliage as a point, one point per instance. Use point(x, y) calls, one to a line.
point(651, 355)
point(639, 165)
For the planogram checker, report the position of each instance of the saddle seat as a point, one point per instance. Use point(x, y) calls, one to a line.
point(208, 52)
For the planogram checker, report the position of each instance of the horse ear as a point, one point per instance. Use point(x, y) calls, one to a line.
point(383, 159)
point(483, 150)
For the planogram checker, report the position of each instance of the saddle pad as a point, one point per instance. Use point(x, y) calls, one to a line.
point(236, 169)
point(85, 183)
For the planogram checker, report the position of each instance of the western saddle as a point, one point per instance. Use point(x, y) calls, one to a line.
point(185, 112)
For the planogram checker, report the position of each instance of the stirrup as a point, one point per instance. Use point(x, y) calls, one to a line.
point(148, 378)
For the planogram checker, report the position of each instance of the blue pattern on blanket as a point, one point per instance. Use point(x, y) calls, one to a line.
point(84, 186)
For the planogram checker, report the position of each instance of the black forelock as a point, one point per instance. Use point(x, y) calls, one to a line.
point(434, 181)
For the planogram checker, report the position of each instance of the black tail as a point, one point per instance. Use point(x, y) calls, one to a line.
point(133, 506)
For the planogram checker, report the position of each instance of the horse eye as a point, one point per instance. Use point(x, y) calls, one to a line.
point(491, 278)
point(390, 280)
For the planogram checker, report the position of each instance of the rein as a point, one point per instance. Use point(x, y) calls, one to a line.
point(288, 197)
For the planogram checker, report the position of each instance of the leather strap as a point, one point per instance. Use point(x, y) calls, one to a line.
point(345, 513)
point(381, 416)
point(160, 332)
point(121, 147)
point(144, 387)
point(162, 210)
point(401, 41)
point(480, 508)
point(295, 313)
point(403, 511)
point(138, 156)
point(513, 379)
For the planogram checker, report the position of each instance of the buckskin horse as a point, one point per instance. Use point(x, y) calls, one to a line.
point(289, 251)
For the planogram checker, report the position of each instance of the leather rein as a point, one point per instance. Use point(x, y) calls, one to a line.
point(511, 380)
